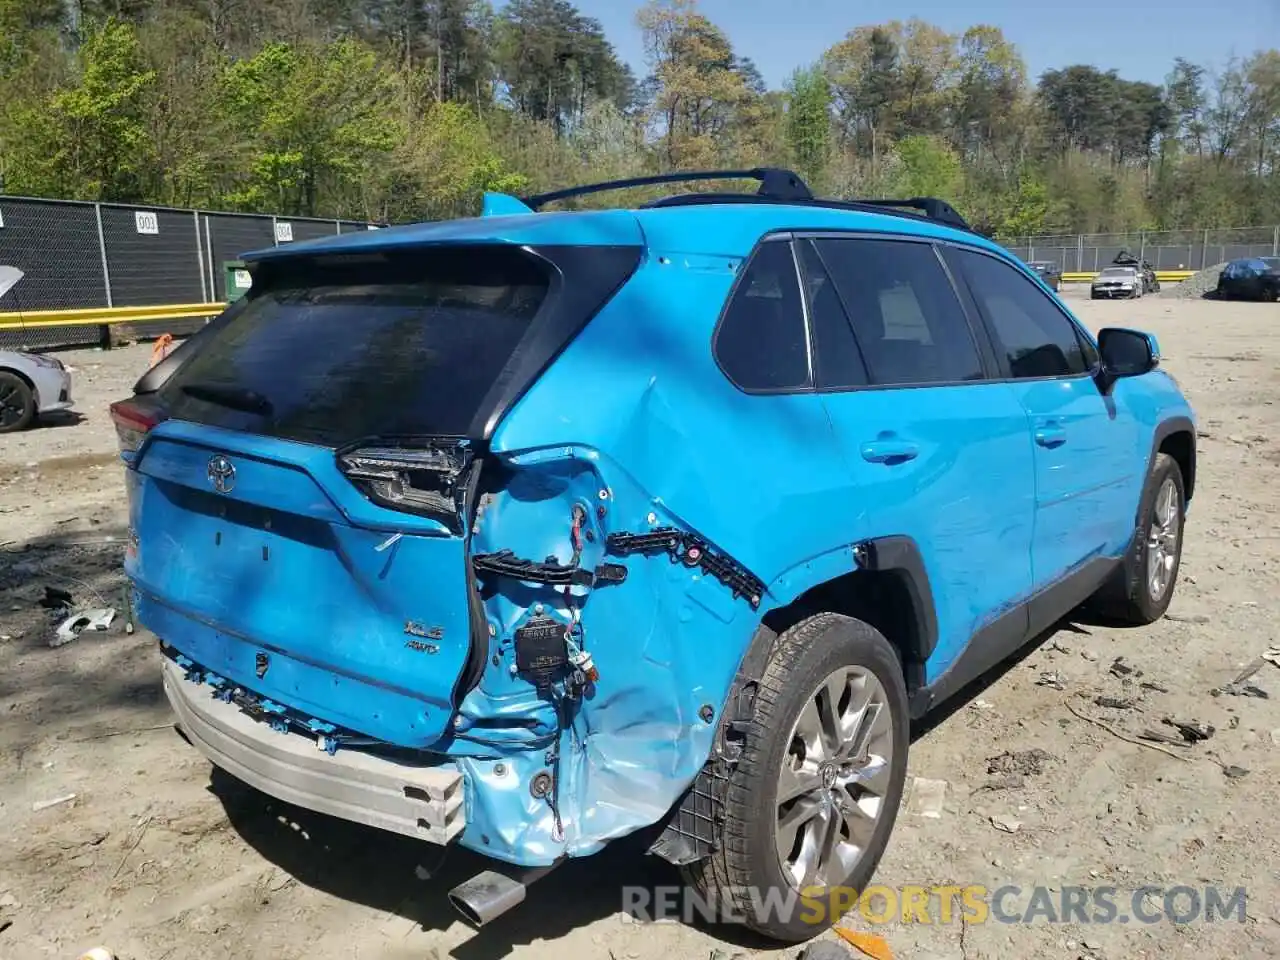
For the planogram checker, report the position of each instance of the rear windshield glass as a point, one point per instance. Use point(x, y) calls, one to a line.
point(338, 349)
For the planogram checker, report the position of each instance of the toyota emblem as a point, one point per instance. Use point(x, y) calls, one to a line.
point(222, 474)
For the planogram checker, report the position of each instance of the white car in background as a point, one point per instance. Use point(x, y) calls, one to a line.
point(31, 384)
point(1117, 282)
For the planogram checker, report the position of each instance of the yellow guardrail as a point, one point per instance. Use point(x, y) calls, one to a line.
point(89, 316)
point(1164, 276)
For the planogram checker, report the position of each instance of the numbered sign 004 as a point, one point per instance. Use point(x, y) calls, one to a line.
point(146, 221)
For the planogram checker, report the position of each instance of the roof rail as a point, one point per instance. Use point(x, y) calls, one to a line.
point(930, 208)
point(775, 184)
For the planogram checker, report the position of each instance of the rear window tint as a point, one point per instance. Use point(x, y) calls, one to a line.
point(335, 351)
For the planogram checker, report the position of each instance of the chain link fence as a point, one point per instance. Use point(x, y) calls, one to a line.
point(81, 255)
point(1165, 249)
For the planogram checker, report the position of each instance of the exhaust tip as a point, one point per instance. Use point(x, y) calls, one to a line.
point(467, 911)
point(489, 894)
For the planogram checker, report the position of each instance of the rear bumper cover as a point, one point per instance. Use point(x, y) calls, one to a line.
point(421, 802)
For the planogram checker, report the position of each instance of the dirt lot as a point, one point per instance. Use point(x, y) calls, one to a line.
point(159, 860)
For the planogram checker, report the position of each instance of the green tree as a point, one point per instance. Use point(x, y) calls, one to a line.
point(867, 82)
point(554, 63)
point(697, 86)
point(930, 168)
point(989, 95)
point(318, 119)
point(88, 139)
point(446, 162)
point(809, 121)
point(410, 108)
point(22, 25)
point(1185, 94)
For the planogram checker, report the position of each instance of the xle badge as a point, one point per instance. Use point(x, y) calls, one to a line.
point(416, 630)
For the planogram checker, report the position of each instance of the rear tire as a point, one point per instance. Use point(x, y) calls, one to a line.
point(1139, 593)
point(830, 728)
point(17, 403)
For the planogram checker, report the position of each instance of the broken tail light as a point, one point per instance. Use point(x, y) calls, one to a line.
point(133, 421)
point(424, 479)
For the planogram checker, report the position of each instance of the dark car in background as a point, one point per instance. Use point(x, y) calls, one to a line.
point(1048, 271)
point(1150, 283)
point(1250, 278)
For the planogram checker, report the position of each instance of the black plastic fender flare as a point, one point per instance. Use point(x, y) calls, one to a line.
point(901, 554)
point(1163, 431)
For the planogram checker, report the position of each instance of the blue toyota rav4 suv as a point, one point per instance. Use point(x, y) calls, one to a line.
point(528, 531)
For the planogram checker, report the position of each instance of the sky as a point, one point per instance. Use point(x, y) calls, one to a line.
point(1139, 40)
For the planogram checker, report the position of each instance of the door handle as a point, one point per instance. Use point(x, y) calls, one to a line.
point(889, 451)
point(1051, 435)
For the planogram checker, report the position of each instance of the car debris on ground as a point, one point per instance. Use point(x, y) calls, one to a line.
point(869, 944)
point(1155, 736)
point(927, 797)
point(94, 620)
point(1114, 703)
point(1240, 687)
point(1193, 731)
point(1123, 669)
point(55, 802)
point(1006, 824)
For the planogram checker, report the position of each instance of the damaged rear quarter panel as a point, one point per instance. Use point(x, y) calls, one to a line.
point(636, 423)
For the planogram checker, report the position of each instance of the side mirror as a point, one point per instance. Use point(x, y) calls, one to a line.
point(1125, 353)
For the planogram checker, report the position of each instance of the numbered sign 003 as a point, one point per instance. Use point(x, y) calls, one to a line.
point(146, 221)
point(284, 232)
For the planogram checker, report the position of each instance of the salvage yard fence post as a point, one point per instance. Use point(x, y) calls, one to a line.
point(78, 255)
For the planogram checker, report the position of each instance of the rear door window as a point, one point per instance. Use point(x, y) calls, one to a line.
point(908, 323)
point(334, 350)
point(838, 363)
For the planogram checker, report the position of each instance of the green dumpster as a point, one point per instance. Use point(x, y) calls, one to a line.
point(238, 280)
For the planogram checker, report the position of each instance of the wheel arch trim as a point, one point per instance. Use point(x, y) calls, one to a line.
point(893, 553)
point(1171, 426)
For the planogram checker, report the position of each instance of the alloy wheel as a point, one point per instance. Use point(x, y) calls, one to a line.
point(834, 778)
point(1162, 540)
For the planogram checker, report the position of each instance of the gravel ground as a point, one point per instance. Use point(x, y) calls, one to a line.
point(159, 858)
point(1195, 286)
